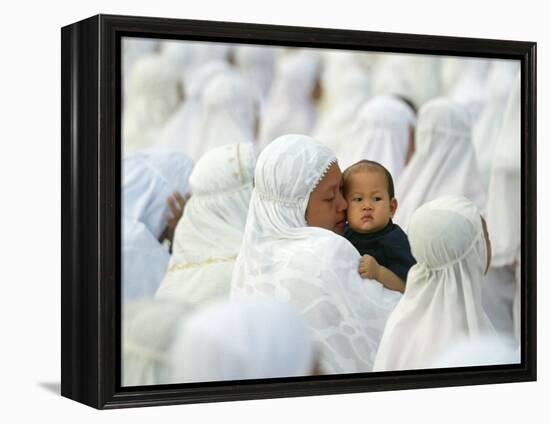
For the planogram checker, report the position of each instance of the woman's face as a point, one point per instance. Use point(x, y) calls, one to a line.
point(327, 207)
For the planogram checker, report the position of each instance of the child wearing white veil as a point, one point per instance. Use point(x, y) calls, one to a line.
point(501, 290)
point(292, 254)
point(209, 234)
point(382, 133)
point(443, 163)
point(442, 302)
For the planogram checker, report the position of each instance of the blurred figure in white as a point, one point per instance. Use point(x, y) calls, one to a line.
point(148, 333)
point(132, 50)
point(488, 351)
point(228, 113)
point(504, 221)
point(237, 341)
point(176, 133)
point(209, 235)
point(345, 88)
point(154, 184)
point(442, 300)
point(413, 77)
point(144, 261)
point(293, 100)
point(470, 88)
point(443, 162)
point(257, 65)
point(500, 82)
point(383, 132)
point(154, 93)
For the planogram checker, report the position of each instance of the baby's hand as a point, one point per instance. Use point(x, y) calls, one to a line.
point(368, 267)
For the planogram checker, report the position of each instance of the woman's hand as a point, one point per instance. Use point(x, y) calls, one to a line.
point(369, 267)
point(176, 203)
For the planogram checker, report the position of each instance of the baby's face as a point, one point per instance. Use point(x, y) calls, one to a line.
point(369, 205)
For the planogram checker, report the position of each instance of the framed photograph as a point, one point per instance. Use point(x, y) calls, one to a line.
point(222, 234)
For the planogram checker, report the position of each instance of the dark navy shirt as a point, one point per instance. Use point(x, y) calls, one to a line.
point(389, 246)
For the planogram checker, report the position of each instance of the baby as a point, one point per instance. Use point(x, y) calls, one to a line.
point(368, 190)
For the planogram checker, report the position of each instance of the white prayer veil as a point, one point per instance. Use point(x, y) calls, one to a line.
point(442, 301)
point(346, 87)
point(504, 205)
point(242, 340)
point(209, 235)
point(144, 261)
point(470, 89)
point(290, 107)
point(443, 162)
point(150, 178)
point(228, 114)
point(176, 133)
point(500, 82)
point(149, 330)
point(381, 133)
point(153, 93)
point(257, 64)
point(311, 268)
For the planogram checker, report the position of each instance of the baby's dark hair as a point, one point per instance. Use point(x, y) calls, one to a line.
point(364, 165)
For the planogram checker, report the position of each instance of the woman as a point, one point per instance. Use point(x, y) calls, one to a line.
point(444, 161)
point(209, 235)
point(292, 253)
point(383, 133)
point(441, 306)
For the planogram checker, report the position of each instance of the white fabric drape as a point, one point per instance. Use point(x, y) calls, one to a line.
point(313, 269)
point(154, 92)
point(443, 163)
point(346, 87)
point(470, 89)
point(290, 107)
point(242, 340)
point(442, 301)
point(257, 65)
point(382, 134)
point(209, 235)
point(144, 261)
point(150, 177)
point(227, 114)
point(149, 330)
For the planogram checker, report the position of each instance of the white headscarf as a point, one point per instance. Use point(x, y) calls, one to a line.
point(290, 107)
point(413, 76)
point(257, 65)
point(144, 261)
point(500, 82)
point(443, 162)
point(346, 87)
point(149, 330)
point(242, 340)
point(150, 177)
point(153, 93)
point(442, 301)
point(209, 234)
point(312, 268)
point(228, 114)
point(504, 205)
point(381, 133)
point(176, 133)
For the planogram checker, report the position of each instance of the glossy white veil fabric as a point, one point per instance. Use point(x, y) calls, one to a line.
point(443, 163)
point(441, 305)
point(313, 269)
point(209, 235)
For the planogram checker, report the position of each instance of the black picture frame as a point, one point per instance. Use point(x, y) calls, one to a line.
point(91, 210)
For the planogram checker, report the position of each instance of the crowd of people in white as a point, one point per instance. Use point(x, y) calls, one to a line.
point(234, 261)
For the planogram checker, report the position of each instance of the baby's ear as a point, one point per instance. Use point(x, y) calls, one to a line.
point(393, 206)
